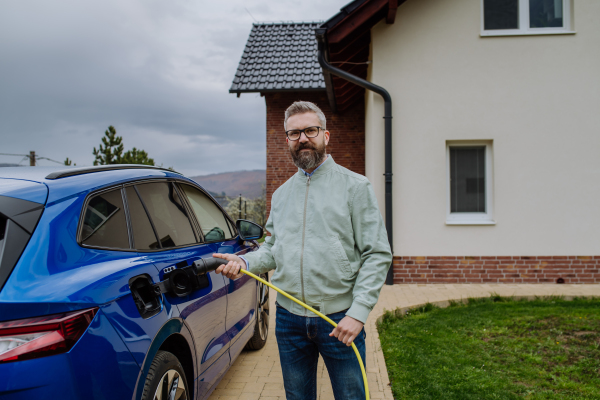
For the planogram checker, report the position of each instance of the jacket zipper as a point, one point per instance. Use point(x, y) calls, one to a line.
point(302, 250)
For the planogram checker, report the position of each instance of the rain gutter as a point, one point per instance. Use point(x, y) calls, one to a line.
point(321, 34)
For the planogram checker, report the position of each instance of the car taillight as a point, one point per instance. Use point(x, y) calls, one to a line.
point(24, 339)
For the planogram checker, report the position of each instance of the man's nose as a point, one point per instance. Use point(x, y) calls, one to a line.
point(303, 137)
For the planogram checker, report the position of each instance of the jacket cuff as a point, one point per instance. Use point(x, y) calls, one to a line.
point(359, 312)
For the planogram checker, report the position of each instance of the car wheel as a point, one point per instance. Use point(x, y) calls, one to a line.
point(261, 327)
point(166, 379)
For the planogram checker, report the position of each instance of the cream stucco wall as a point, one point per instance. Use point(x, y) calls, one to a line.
point(536, 97)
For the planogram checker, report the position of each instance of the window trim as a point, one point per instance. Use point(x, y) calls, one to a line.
point(524, 29)
point(463, 218)
point(132, 248)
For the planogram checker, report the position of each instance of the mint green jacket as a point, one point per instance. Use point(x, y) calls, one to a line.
point(328, 243)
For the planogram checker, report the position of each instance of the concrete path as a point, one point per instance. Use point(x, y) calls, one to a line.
point(257, 374)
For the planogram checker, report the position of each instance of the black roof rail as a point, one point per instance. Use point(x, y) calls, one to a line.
point(99, 168)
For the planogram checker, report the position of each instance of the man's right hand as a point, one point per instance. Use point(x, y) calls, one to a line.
point(232, 268)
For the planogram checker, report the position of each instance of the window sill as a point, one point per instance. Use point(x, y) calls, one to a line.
point(524, 33)
point(470, 222)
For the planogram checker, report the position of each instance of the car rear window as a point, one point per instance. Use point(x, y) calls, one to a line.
point(167, 213)
point(104, 223)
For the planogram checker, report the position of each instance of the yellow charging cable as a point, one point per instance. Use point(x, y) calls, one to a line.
point(295, 300)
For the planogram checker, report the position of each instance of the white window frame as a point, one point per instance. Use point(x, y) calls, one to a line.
point(524, 28)
point(464, 218)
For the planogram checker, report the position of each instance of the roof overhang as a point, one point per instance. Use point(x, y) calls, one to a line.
point(348, 40)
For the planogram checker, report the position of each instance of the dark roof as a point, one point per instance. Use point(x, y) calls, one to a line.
point(279, 57)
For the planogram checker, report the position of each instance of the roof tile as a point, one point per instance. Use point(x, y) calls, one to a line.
point(279, 56)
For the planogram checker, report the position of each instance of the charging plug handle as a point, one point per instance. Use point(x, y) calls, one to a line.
point(205, 265)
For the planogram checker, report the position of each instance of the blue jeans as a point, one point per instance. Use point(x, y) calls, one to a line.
point(301, 340)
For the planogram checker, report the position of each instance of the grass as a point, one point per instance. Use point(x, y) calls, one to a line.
point(495, 348)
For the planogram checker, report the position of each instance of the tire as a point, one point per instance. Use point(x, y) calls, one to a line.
point(166, 379)
point(261, 326)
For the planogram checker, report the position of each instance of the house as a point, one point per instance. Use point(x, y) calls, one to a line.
point(495, 132)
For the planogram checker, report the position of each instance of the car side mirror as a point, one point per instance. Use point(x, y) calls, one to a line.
point(249, 230)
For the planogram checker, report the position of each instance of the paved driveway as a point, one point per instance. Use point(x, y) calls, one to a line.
point(257, 374)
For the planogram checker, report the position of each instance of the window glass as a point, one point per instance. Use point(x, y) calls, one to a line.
point(2, 229)
point(545, 13)
point(212, 221)
point(167, 213)
point(467, 179)
point(501, 14)
point(104, 222)
point(143, 234)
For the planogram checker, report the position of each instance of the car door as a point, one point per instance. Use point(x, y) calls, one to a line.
point(241, 292)
point(103, 230)
point(166, 236)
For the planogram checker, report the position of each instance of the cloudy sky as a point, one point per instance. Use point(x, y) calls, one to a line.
point(159, 71)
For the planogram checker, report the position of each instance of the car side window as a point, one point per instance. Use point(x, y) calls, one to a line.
point(210, 217)
point(143, 233)
point(167, 213)
point(104, 223)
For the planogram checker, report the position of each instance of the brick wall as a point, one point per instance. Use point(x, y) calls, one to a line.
point(516, 269)
point(346, 144)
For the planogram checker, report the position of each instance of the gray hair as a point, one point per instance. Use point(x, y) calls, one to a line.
point(301, 107)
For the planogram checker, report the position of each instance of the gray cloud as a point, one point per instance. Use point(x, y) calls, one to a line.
point(158, 71)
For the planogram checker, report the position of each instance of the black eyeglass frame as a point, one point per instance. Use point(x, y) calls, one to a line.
point(319, 129)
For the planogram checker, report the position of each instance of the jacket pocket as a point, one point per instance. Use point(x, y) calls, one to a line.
point(340, 255)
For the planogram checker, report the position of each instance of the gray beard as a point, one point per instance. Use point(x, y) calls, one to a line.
point(308, 159)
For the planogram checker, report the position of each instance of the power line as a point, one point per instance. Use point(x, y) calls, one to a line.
point(27, 156)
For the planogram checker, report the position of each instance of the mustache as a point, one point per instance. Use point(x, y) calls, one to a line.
point(303, 146)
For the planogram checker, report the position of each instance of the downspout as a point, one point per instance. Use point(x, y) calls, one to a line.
point(321, 34)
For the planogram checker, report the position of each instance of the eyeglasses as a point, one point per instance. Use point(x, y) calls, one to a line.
point(310, 132)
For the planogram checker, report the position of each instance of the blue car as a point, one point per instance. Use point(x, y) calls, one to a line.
point(104, 292)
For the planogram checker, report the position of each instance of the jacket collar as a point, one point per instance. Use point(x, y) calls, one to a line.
point(321, 169)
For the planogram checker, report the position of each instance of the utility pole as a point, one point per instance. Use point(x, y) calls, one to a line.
point(32, 158)
point(240, 208)
point(245, 210)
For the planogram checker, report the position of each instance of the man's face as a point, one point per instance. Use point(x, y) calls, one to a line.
point(307, 153)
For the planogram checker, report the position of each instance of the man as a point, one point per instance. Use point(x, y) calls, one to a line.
point(329, 248)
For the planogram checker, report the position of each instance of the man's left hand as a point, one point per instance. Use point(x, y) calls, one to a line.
point(347, 330)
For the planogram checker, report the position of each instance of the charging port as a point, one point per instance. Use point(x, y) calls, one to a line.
point(146, 299)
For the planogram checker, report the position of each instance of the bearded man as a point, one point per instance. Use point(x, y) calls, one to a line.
point(329, 248)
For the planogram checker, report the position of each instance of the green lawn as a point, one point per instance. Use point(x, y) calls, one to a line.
point(495, 348)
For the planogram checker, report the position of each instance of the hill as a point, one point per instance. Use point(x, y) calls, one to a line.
point(248, 183)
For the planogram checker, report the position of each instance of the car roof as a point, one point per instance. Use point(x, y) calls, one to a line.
point(67, 182)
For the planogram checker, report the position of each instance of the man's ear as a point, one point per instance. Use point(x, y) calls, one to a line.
point(287, 140)
point(326, 133)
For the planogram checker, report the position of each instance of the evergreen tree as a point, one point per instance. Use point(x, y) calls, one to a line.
point(135, 156)
point(112, 151)
point(69, 162)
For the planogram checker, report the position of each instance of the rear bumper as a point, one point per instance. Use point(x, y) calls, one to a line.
point(99, 366)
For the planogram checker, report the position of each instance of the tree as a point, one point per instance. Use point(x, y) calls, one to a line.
point(112, 151)
point(135, 156)
point(259, 208)
point(69, 162)
point(253, 209)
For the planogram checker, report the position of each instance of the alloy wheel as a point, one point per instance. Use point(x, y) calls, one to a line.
point(171, 387)
point(263, 308)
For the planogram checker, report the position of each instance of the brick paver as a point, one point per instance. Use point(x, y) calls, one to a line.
point(257, 374)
